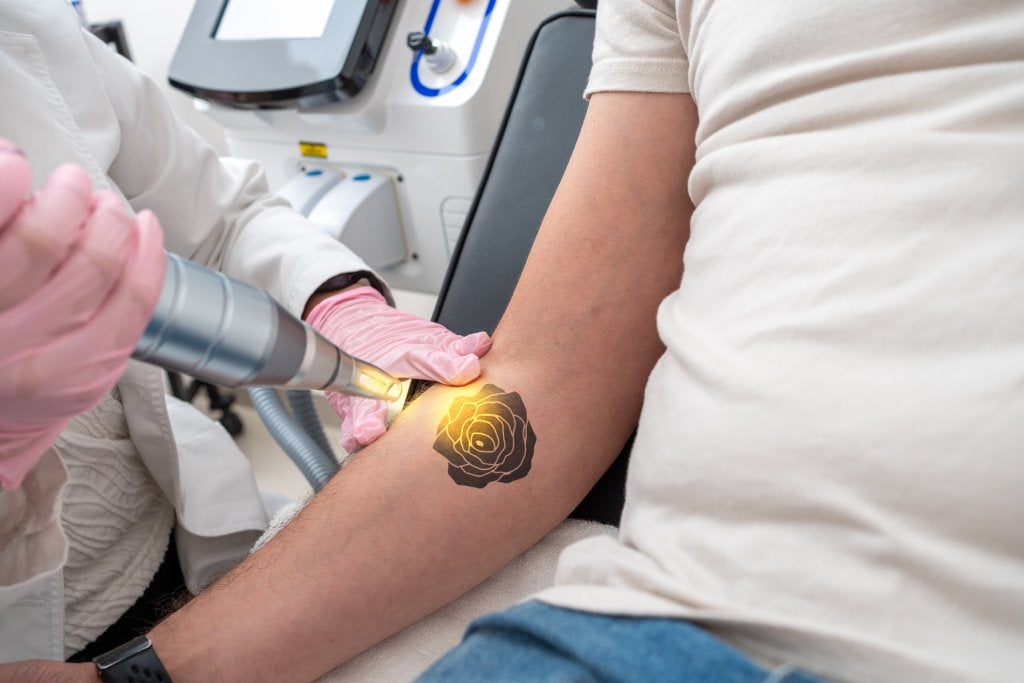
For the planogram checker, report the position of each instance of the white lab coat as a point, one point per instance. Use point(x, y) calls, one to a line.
point(65, 97)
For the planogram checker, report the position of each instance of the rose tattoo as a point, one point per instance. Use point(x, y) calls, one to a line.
point(486, 438)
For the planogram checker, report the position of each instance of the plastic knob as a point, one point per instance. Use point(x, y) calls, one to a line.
point(418, 40)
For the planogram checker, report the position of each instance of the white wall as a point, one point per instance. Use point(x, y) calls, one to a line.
point(153, 30)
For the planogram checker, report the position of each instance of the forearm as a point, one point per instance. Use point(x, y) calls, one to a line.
point(397, 534)
point(390, 539)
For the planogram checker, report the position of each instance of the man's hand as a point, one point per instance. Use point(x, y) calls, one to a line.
point(45, 671)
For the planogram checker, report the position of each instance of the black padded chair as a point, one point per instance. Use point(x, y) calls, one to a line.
point(531, 151)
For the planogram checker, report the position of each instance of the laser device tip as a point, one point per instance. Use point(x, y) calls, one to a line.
point(375, 382)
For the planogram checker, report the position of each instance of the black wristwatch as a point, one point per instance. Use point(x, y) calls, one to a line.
point(344, 280)
point(133, 662)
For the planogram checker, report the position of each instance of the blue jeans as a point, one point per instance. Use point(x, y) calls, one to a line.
point(539, 642)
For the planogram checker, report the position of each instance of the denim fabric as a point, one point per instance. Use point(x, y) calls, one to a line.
point(539, 642)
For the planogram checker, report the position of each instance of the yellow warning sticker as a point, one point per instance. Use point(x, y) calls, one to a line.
point(313, 149)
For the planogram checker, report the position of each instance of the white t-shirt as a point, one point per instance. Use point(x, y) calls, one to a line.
point(829, 468)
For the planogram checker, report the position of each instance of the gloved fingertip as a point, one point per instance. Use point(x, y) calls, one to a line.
point(363, 420)
point(355, 437)
point(107, 201)
point(70, 178)
point(148, 219)
point(17, 180)
point(348, 442)
point(151, 237)
point(457, 371)
point(470, 371)
point(477, 344)
point(369, 431)
point(62, 204)
point(146, 270)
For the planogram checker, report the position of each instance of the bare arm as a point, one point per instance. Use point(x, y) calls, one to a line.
point(395, 535)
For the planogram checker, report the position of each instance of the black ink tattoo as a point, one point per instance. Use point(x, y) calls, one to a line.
point(486, 438)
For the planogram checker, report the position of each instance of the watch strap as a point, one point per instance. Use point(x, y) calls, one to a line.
point(344, 280)
point(133, 662)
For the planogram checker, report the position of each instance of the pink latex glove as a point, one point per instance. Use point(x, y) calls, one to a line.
point(79, 278)
point(15, 178)
point(360, 321)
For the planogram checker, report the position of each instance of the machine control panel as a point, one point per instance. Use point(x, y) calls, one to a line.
point(448, 46)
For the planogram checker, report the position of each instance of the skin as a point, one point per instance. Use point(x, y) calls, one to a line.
point(393, 536)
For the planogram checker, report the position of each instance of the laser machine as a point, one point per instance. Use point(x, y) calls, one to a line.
point(374, 118)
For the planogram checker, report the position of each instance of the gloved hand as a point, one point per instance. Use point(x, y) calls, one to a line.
point(79, 279)
point(360, 321)
point(15, 178)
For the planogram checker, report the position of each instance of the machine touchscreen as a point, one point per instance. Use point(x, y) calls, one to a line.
point(274, 53)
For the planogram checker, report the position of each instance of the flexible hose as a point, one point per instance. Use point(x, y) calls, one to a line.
point(301, 402)
point(304, 451)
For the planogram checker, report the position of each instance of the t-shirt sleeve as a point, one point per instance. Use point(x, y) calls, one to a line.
point(638, 47)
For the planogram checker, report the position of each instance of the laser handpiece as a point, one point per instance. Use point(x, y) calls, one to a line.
point(225, 332)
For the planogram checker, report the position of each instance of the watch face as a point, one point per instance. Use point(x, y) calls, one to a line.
point(122, 652)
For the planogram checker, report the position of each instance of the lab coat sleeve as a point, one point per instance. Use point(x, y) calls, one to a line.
point(214, 210)
point(32, 543)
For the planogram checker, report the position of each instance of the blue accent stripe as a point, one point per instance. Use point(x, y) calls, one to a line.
point(414, 75)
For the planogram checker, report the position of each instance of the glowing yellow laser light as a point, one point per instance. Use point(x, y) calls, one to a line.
point(377, 383)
